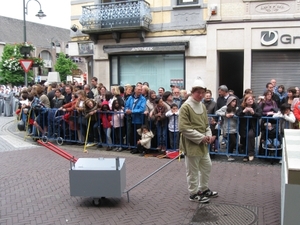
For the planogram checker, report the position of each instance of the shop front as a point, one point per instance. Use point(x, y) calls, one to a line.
point(256, 53)
point(160, 62)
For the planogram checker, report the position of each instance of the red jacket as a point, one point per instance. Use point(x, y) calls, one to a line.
point(105, 115)
point(297, 111)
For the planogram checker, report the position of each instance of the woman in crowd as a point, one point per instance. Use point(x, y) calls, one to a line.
point(150, 104)
point(249, 127)
point(43, 104)
point(168, 99)
point(80, 108)
point(90, 114)
point(70, 117)
point(117, 96)
point(161, 121)
point(268, 105)
point(291, 93)
point(128, 91)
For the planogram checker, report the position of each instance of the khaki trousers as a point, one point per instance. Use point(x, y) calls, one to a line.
point(197, 172)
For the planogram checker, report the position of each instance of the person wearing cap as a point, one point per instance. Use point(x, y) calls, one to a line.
point(229, 124)
point(194, 141)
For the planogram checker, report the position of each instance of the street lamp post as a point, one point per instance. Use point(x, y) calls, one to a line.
point(40, 14)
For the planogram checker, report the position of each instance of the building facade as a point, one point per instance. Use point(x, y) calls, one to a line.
point(124, 42)
point(249, 42)
point(48, 41)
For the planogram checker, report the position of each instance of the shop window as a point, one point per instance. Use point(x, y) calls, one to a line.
point(187, 2)
point(159, 70)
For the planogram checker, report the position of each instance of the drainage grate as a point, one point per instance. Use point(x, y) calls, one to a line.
point(208, 214)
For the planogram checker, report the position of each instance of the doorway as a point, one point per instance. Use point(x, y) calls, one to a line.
point(231, 71)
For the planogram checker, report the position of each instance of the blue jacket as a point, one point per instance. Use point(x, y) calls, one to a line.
point(137, 109)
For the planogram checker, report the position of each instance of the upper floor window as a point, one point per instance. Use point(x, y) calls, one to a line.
point(186, 2)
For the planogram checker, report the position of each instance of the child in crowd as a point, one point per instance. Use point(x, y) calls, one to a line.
point(270, 136)
point(288, 117)
point(106, 118)
point(229, 123)
point(159, 114)
point(118, 124)
point(144, 144)
point(172, 114)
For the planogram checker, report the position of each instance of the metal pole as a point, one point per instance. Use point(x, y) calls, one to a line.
point(25, 38)
point(159, 169)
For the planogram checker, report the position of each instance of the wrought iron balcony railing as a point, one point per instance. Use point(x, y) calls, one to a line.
point(116, 16)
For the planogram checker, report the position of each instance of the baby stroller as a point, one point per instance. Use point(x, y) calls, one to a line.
point(270, 141)
point(57, 127)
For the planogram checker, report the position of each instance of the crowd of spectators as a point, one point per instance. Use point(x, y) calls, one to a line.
point(95, 114)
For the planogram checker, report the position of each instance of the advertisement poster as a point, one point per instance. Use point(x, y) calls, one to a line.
point(178, 83)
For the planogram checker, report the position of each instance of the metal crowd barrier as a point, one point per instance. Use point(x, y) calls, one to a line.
point(74, 128)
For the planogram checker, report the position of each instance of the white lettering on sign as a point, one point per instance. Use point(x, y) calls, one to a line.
point(270, 38)
point(142, 49)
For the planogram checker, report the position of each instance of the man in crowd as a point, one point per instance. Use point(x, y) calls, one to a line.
point(161, 92)
point(176, 97)
point(223, 95)
point(51, 94)
point(134, 108)
point(94, 86)
point(68, 93)
point(88, 91)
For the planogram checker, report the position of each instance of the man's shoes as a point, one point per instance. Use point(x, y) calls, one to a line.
point(198, 198)
point(120, 149)
point(142, 154)
point(208, 193)
point(115, 149)
point(251, 158)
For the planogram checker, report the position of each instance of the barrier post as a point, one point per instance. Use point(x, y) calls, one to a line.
point(87, 135)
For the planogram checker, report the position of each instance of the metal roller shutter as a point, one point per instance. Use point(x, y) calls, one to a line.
point(284, 66)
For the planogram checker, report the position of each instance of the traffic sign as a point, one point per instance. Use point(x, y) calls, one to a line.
point(26, 64)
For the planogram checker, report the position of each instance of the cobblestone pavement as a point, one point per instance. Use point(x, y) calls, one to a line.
point(34, 189)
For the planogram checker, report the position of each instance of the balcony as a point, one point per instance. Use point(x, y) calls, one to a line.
point(116, 18)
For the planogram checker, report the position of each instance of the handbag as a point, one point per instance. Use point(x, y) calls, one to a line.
point(21, 125)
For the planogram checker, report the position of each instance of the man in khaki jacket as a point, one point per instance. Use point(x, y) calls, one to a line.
point(195, 137)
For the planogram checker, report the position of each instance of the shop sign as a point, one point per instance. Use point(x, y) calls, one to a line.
point(271, 38)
